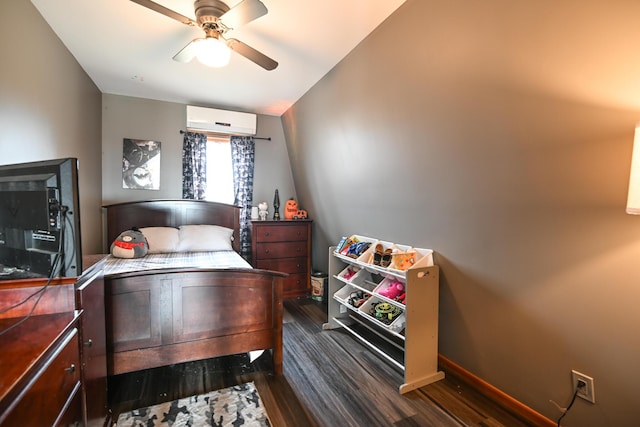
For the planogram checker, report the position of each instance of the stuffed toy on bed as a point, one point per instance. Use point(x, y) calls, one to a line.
point(130, 244)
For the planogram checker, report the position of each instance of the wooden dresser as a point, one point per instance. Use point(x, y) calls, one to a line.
point(40, 376)
point(284, 246)
point(53, 369)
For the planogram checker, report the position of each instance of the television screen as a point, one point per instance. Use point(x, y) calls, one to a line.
point(40, 220)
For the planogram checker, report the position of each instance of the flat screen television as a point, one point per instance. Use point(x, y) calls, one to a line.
point(40, 220)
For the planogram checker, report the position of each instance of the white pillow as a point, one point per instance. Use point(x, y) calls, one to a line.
point(205, 238)
point(162, 239)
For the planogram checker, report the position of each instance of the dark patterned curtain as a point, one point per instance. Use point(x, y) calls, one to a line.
point(243, 160)
point(194, 166)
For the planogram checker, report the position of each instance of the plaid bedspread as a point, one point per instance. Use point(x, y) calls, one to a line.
point(219, 259)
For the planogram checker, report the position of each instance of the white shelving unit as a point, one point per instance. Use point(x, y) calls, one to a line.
point(410, 342)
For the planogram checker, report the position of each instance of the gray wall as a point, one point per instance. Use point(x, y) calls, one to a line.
point(49, 108)
point(499, 134)
point(127, 117)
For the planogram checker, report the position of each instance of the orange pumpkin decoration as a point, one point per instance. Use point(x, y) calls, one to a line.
point(300, 214)
point(290, 209)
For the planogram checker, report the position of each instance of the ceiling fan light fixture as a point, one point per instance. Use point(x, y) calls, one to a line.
point(213, 52)
point(215, 18)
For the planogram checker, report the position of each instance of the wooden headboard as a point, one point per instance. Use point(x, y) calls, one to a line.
point(171, 213)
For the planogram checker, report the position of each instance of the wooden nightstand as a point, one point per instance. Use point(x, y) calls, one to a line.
point(284, 246)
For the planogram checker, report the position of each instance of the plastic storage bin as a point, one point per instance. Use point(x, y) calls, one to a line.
point(368, 310)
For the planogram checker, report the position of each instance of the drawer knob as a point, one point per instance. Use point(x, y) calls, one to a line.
point(71, 369)
point(88, 343)
point(266, 234)
point(266, 251)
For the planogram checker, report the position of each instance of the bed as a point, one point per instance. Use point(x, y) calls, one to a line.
point(172, 314)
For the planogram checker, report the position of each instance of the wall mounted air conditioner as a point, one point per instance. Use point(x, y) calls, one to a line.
point(220, 121)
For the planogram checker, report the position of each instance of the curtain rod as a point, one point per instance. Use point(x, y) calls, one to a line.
point(268, 138)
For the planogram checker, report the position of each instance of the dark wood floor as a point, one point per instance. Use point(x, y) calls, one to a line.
point(329, 380)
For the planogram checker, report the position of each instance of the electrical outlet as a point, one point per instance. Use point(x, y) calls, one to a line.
point(587, 392)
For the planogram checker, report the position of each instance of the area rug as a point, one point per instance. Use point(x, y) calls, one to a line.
point(234, 406)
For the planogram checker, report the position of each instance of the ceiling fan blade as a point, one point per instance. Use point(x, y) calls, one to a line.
point(188, 52)
point(166, 11)
point(243, 12)
point(251, 54)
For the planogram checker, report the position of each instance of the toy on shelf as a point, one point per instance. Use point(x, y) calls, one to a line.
point(357, 298)
point(349, 273)
point(403, 260)
point(394, 289)
point(352, 247)
point(384, 312)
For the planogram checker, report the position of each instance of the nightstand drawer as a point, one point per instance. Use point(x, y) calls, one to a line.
point(281, 250)
point(285, 265)
point(280, 233)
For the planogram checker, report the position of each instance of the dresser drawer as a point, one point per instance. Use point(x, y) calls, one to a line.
point(295, 284)
point(280, 233)
point(285, 265)
point(281, 250)
point(53, 387)
point(72, 415)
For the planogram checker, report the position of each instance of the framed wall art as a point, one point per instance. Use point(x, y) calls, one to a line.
point(140, 164)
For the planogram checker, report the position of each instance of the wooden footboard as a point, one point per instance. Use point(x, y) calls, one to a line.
point(163, 317)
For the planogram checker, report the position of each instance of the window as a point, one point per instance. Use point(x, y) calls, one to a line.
point(219, 170)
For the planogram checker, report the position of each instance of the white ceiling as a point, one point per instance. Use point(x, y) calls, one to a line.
point(126, 49)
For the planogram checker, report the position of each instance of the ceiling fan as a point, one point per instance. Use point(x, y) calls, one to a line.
point(215, 18)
